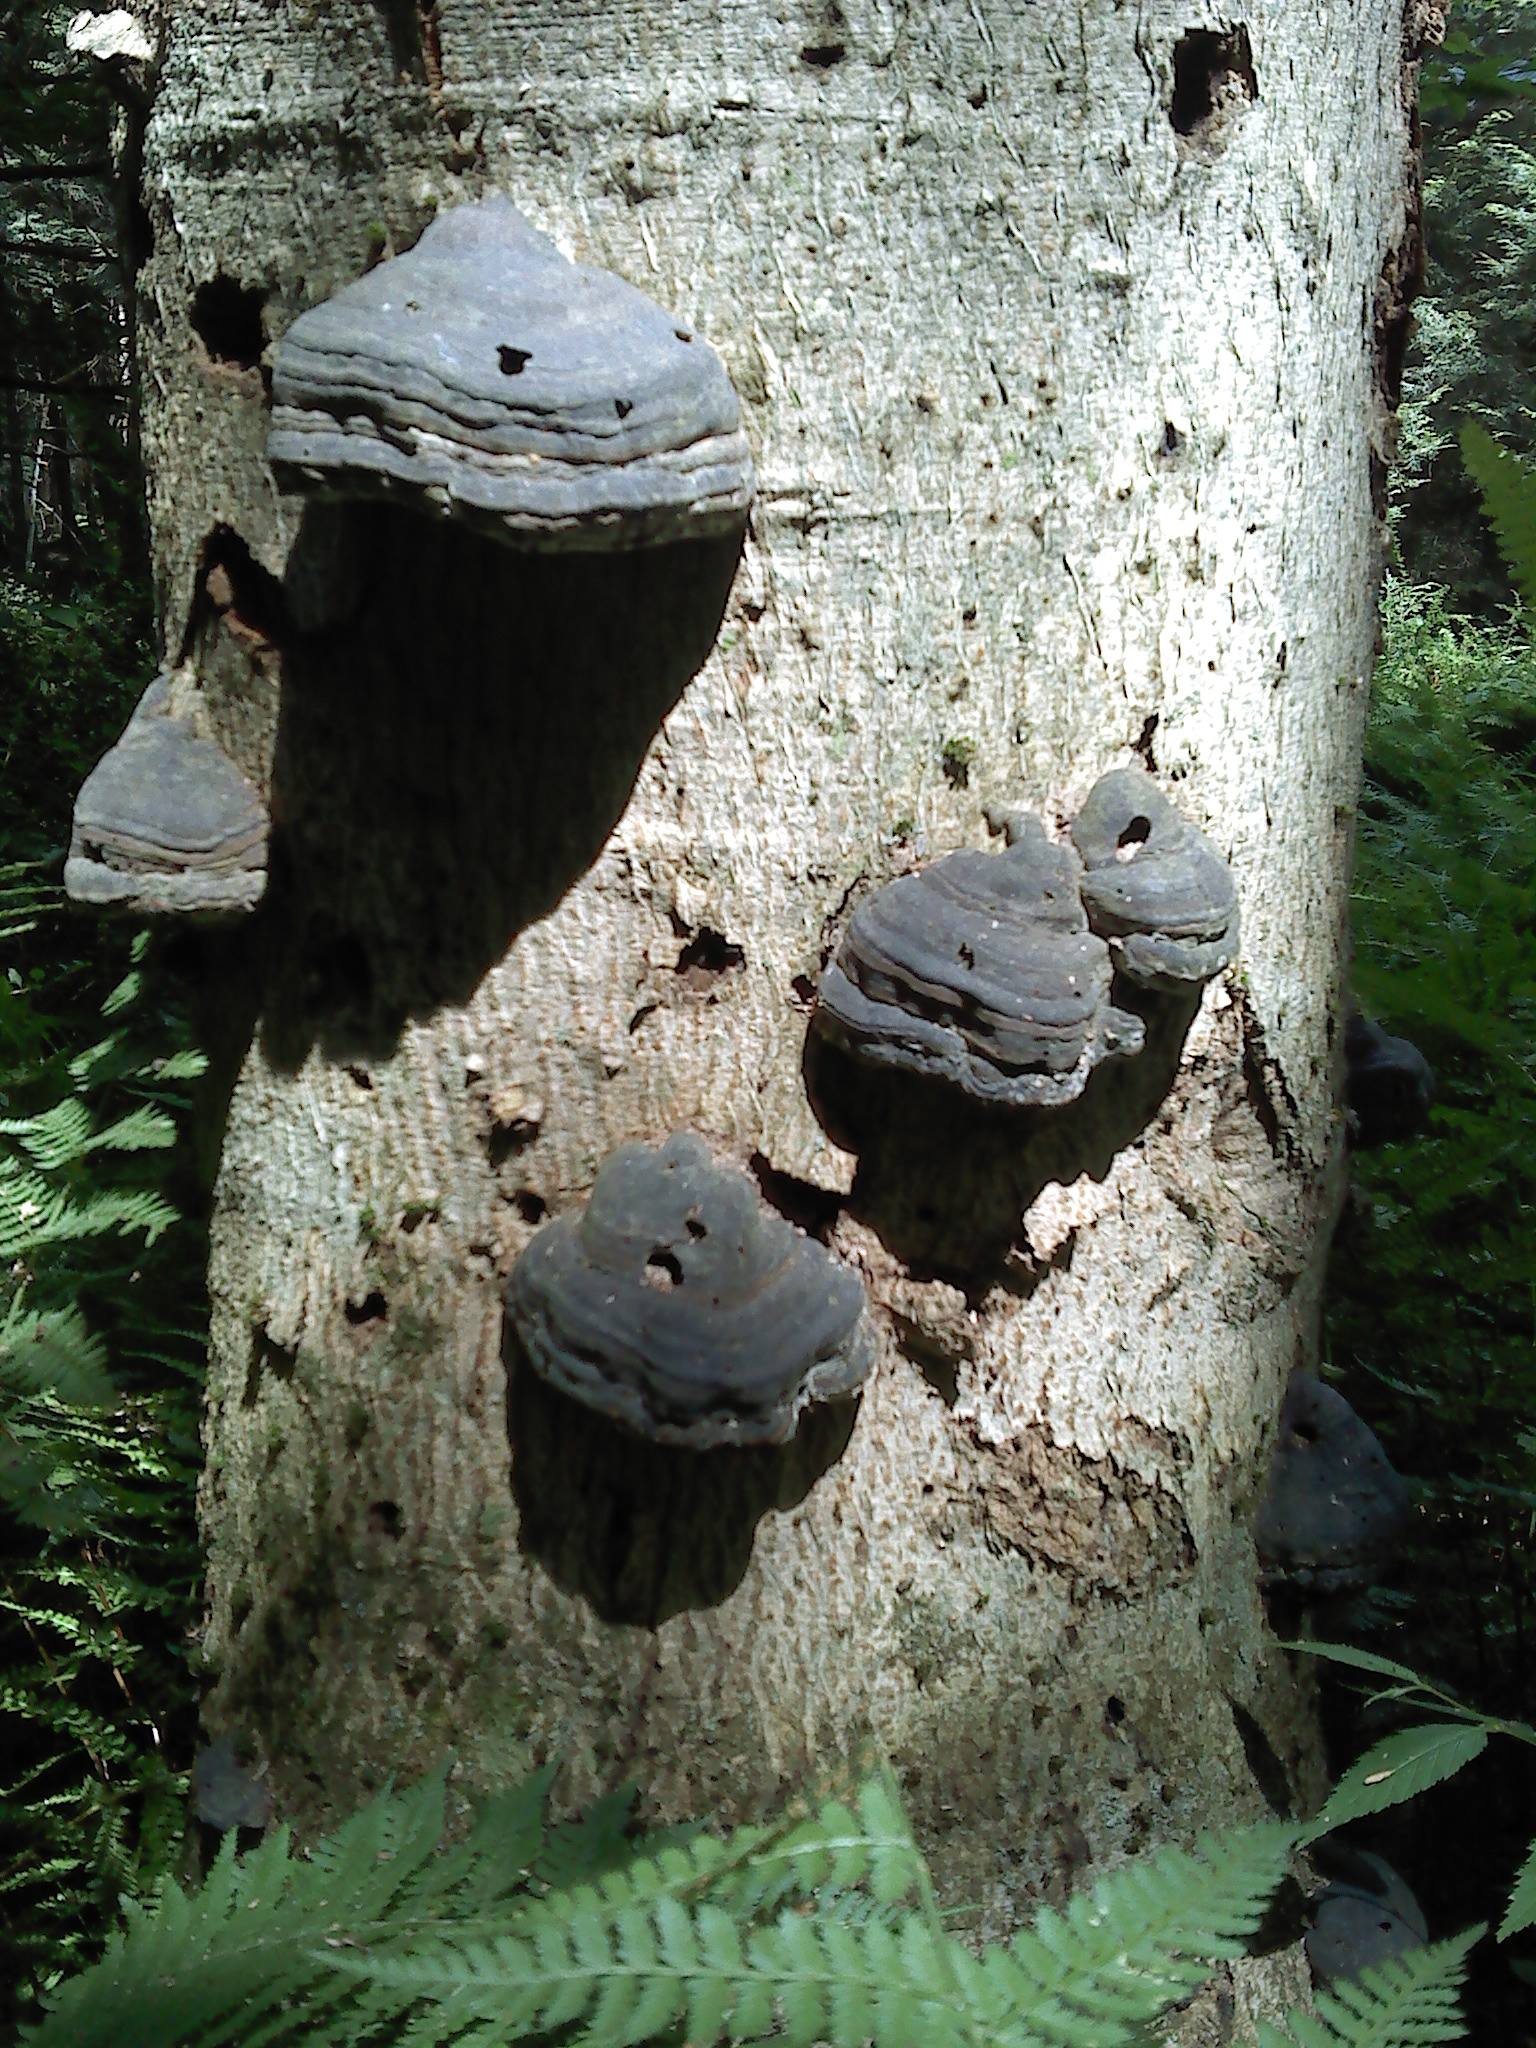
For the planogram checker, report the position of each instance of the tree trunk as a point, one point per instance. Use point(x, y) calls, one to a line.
point(1062, 332)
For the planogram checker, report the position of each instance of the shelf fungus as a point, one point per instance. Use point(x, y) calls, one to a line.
point(1155, 887)
point(981, 971)
point(1389, 1086)
point(165, 822)
point(484, 377)
point(678, 1304)
point(1364, 1918)
point(1333, 1509)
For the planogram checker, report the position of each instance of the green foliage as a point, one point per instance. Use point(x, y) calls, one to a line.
point(98, 1450)
point(1411, 1999)
point(55, 1190)
point(1410, 1760)
point(1474, 340)
point(1509, 504)
point(820, 1929)
point(1433, 1278)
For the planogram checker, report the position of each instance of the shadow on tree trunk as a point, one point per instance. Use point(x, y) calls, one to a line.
point(643, 1531)
point(462, 724)
point(945, 1181)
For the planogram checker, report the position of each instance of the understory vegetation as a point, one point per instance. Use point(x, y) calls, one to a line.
point(420, 1922)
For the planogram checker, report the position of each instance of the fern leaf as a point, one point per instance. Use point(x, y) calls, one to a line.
point(1142, 1937)
point(1521, 1910)
point(1411, 2000)
point(1398, 1767)
point(1509, 503)
point(142, 1130)
point(53, 1354)
point(599, 1840)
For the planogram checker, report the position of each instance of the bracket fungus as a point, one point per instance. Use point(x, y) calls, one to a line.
point(485, 377)
point(166, 822)
point(981, 971)
point(1389, 1086)
point(1154, 886)
point(678, 1304)
point(1333, 1509)
point(1364, 1918)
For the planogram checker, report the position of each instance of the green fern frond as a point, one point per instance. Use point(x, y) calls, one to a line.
point(64, 1134)
point(243, 1959)
point(797, 1932)
point(36, 1212)
point(52, 1353)
point(1509, 503)
point(1409, 2002)
point(1141, 1938)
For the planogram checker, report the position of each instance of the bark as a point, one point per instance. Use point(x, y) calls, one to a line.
point(1065, 421)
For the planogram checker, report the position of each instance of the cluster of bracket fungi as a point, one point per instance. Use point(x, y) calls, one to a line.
point(993, 972)
point(484, 378)
point(480, 377)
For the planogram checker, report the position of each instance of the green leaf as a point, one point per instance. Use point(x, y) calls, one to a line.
point(1398, 1767)
point(1358, 1660)
point(1521, 1910)
point(1509, 501)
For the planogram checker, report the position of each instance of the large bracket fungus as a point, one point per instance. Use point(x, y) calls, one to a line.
point(485, 377)
point(1155, 887)
point(1333, 1509)
point(678, 1304)
point(981, 970)
point(166, 822)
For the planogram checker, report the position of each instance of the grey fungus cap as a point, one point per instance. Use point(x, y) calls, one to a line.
point(484, 377)
point(678, 1304)
point(981, 971)
point(225, 1794)
point(1389, 1086)
point(165, 822)
point(1155, 887)
point(1363, 1919)
point(1333, 1509)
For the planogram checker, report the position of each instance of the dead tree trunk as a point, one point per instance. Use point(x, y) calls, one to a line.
point(1065, 334)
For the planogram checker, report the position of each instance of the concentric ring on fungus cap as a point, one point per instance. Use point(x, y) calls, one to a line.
point(1154, 886)
point(980, 970)
point(165, 822)
point(484, 377)
point(678, 1304)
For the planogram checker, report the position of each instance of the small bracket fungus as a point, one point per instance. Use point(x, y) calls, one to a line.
point(981, 971)
point(1155, 887)
point(1333, 1508)
point(166, 822)
point(224, 1794)
point(1365, 1917)
point(678, 1304)
point(485, 377)
point(1389, 1086)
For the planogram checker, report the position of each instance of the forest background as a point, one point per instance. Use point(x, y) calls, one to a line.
point(106, 1166)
